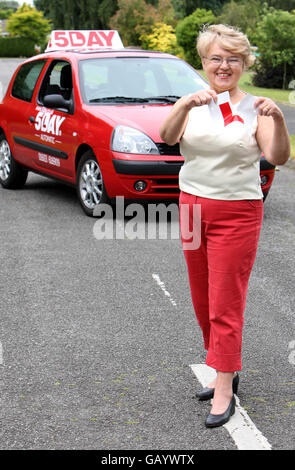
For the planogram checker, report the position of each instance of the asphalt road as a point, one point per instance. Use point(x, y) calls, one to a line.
point(94, 355)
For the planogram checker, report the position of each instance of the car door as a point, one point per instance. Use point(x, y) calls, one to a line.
point(47, 132)
point(20, 107)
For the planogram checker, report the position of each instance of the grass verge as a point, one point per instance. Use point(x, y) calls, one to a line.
point(280, 96)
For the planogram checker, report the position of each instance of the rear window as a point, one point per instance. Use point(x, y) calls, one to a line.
point(26, 79)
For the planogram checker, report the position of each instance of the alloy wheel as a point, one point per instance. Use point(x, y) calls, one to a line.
point(5, 160)
point(91, 184)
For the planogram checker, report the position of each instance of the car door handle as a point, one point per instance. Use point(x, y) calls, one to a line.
point(32, 119)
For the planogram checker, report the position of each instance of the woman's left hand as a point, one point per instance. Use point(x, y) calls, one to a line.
point(267, 107)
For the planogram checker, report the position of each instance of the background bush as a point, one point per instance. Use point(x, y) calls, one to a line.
point(267, 76)
point(16, 47)
point(187, 31)
point(275, 39)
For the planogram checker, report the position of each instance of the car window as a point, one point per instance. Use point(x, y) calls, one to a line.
point(26, 79)
point(57, 80)
point(140, 77)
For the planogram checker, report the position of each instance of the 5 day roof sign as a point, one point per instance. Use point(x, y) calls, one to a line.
point(84, 39)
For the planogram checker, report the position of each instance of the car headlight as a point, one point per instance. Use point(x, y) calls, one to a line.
point(128, 140)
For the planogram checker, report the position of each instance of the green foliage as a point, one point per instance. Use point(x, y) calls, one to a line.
point(16, 47)
point(185, 8)
point(4, 14)
point(165, 12)
point(136, 18)
point(105, 11)
point(286, 5)
point(162, 38)
point(276, 44)
point(187, 31)
point(9, 5)
point(153, 24)
point(243, 14)
point(29, 23)
point(78, 14)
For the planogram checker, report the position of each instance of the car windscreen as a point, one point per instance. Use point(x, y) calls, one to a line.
point(136, 80)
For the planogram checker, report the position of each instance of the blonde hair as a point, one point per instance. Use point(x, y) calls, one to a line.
point(227, 37)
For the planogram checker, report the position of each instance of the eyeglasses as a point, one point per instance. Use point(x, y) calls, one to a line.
point(232, 61)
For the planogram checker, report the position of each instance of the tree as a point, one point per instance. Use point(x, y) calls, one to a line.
point(78, 14)
point(9, 5)
point(5, 13)
point(54, 10)
point(136, 18)
point(243, 14)
point(105, 11)
point(185, 8)
point(165, 12)
point(276, 45)
point(162, 38)
point(7, 8)
point(29, 23)
point(187, 31)
point(286, 5)
point(133, 18)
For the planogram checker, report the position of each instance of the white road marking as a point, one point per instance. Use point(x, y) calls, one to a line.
point(241, 428)
point(1, 353)
point(161, 284)
point(291, 357)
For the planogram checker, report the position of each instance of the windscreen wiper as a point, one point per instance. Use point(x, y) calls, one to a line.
point(119, 99)
point(165, 98)
point(132, 99)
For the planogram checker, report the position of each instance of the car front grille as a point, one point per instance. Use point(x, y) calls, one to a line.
point(166, 149)
point(165, 185)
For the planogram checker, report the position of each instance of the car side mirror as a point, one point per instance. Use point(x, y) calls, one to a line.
point(57, 101)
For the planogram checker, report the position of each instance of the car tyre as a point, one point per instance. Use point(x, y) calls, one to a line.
point(12, 174)
point(90, 185)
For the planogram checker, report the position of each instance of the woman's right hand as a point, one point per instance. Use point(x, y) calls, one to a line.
point(175, 123)
point(200, 98)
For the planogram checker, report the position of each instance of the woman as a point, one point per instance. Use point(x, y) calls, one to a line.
point(222, 143)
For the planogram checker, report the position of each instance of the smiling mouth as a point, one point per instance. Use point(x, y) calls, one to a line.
point(223, 75)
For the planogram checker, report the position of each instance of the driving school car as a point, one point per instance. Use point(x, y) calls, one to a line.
point(88, 111)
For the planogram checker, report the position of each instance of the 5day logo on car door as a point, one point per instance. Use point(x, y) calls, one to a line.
point(47, 121)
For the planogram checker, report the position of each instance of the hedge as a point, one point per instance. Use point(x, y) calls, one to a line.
point(16, 47)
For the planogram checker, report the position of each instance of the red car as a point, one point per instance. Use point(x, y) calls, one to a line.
point(91, 117)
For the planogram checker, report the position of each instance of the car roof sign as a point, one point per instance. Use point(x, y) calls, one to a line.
point(84, 39)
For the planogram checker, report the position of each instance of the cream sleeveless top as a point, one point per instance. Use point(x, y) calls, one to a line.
point(221, 161)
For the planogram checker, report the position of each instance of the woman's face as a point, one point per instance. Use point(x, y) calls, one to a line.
point(222, 76)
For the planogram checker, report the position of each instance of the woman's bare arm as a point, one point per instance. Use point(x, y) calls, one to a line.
point(174, 125)
point(272, 134)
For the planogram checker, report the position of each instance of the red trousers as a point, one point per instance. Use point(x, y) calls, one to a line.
point(219, 271)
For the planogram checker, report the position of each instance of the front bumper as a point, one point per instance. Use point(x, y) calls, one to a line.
point(129, 167)
point(160, 174)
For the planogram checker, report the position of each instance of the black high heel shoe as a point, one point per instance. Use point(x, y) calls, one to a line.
point(208, 393)
point(212, 421)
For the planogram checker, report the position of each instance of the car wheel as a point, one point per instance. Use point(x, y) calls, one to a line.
point(12, 174)
point(90, 185)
